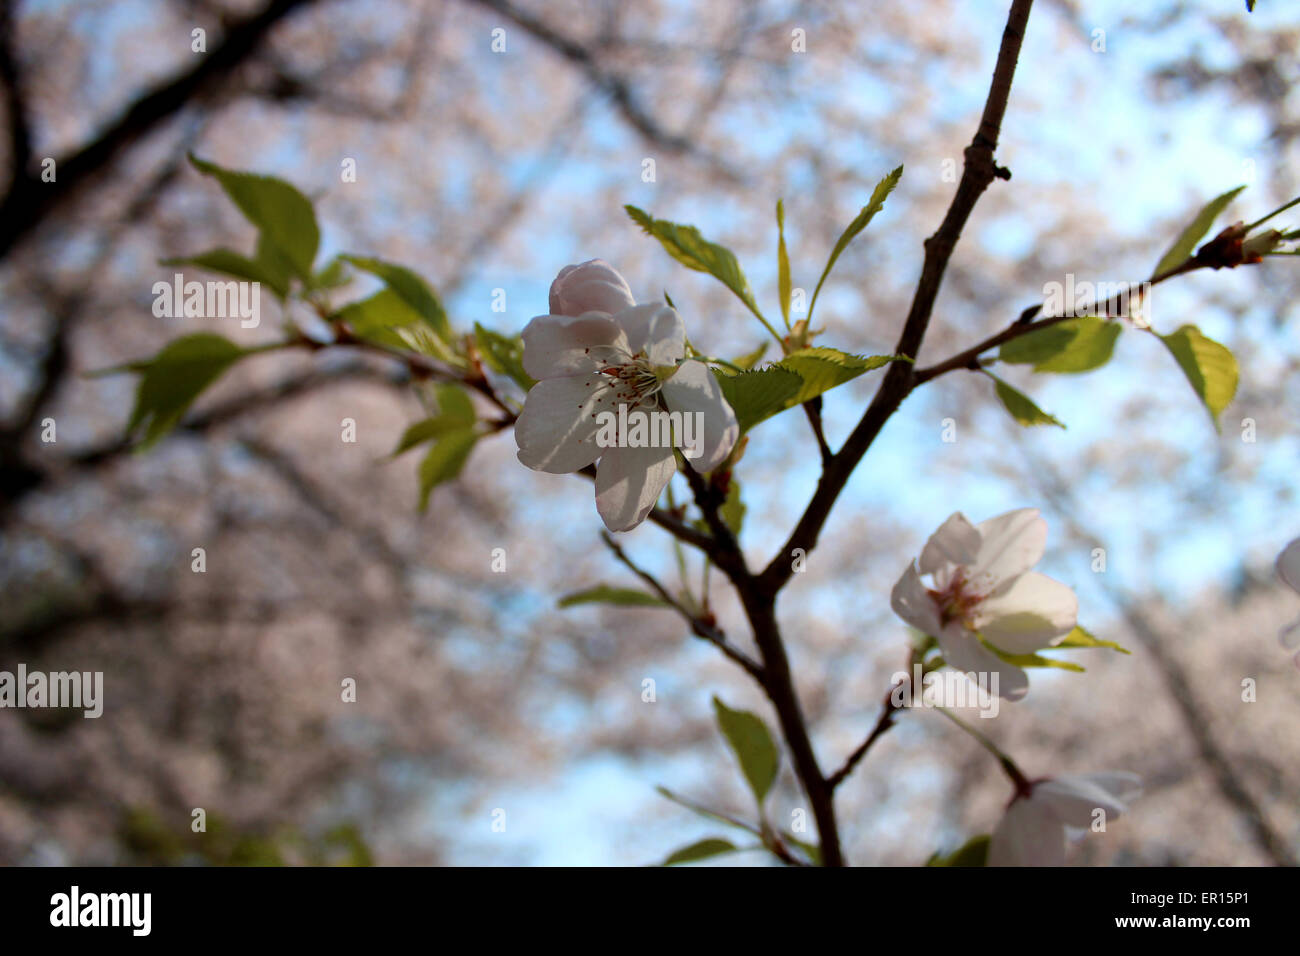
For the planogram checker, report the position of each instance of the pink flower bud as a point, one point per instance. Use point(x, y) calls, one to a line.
point(591, 286)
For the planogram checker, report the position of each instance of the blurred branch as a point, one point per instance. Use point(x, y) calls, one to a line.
point(307, 492)
point(285, 86)
point(20, 134)
point(30, 201)
point(249, 402)
point(1176, 680)
point(18, 476)
point(611, 84)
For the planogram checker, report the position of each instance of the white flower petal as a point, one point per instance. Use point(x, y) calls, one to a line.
point(962, 651)
point(956, 542)
point(591, 286)
point(1010, 544)
point(1073, 798)
point(629, 482)
point(1027, 835)
point(1288, 565)
point(556, 431)
point(1029, 615)
point(912, 602)
point(655, 329)
point(694, 390)
point(556, 345)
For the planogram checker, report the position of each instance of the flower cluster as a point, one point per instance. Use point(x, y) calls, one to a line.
point(598, 355)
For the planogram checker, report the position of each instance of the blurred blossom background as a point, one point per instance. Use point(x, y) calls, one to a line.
point(490, 171)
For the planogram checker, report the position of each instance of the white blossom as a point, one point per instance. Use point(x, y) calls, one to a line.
point(598, 352)
point(1039, 823)
point(981, 595)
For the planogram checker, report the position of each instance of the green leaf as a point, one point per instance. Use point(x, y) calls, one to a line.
point(282, 215)
point(455, 412)
point(332, 276)
point(174, 378)
point(687, 246)
point(702, 850)
point(868, 212)
point(227, 262)
point(1185, 244)
point(974, 852)
point(758, 395)
point(604, 594)
point(503, 355)
point(746, 361)
point(1075, 345)
point(752, 745)
point(445, 459)
point(1210, 367)
point(1034, 660)
point(1080, 637)
point(411, 289)
point(454, 402)
point(1019, 405)
point(386, 318)
point(782, 263)
point(705, 811)
point(732, 511)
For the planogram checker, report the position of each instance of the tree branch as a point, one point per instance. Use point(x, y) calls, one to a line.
point(20, 134)
point(888, 711)
point(978, 173)
point(700, 627)
point(1025, 324)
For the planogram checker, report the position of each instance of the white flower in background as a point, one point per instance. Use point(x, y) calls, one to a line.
point(598, 351)
point(1288, 569)
point(981, 591)
point(1038, 825)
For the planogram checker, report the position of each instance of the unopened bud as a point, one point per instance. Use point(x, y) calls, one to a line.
point(1261, 244)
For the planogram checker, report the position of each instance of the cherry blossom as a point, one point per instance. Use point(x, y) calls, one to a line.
point(982, 596)
point(1042, 818)
point(600, 352)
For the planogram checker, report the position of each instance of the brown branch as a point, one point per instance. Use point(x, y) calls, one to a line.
point(888, 711)
point(978, 173)
point(760, 610)
point(700, 626)
point(20, 133)
point(1025, 324)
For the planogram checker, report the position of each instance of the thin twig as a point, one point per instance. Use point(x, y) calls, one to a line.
point(888, 710)
point(700, 627)
point(969, 358)
point(978, 174)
